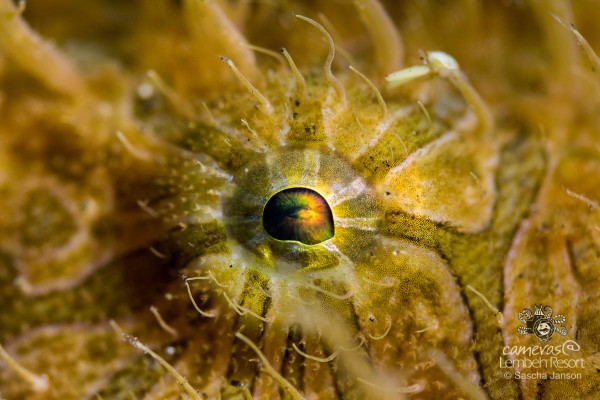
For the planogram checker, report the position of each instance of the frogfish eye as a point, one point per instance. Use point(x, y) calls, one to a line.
point(298, 214)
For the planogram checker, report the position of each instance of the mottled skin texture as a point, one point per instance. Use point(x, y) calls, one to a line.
point(115, 184)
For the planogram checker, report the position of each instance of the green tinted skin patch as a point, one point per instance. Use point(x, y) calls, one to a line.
point(298, 214)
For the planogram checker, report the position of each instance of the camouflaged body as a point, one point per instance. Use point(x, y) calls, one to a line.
point(116, 183)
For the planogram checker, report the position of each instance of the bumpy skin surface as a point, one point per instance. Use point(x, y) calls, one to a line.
point(115, 184)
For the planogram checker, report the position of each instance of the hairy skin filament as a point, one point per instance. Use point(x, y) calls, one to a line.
point(138, 153)
point(241, 310)
point(39, 383)
point(472, 391)
point(134, 342)
point(169, 329)
point(204, 19)
point(384, 334)
point(268, 52)
point(331, 79)
point(300, 81)
point(425, 112)
point(416, 388)
point(592, 204)
point(389, 50)
point(44, 60)
point(262, 100)
point(445, 66)
point(327, 359)
point(178, 102)
point(268, 368)
point(203, 313)
point(384, 111)
point(489, 305)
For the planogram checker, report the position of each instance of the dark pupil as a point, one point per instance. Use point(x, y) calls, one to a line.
point(298, 214)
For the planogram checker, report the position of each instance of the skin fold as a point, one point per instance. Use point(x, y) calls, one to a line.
point(422, 214)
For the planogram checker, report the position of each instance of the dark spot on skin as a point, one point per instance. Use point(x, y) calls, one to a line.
point(297, 102)
point(310, 129)
point(387, 193)
point(371, 319)
point(147, 105)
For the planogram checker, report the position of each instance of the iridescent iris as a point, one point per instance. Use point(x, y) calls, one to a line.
point(298, 214)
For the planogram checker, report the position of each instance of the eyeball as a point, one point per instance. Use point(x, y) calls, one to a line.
point(298, 214)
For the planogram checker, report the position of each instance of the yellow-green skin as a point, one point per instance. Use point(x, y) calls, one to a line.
point(113, 190)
